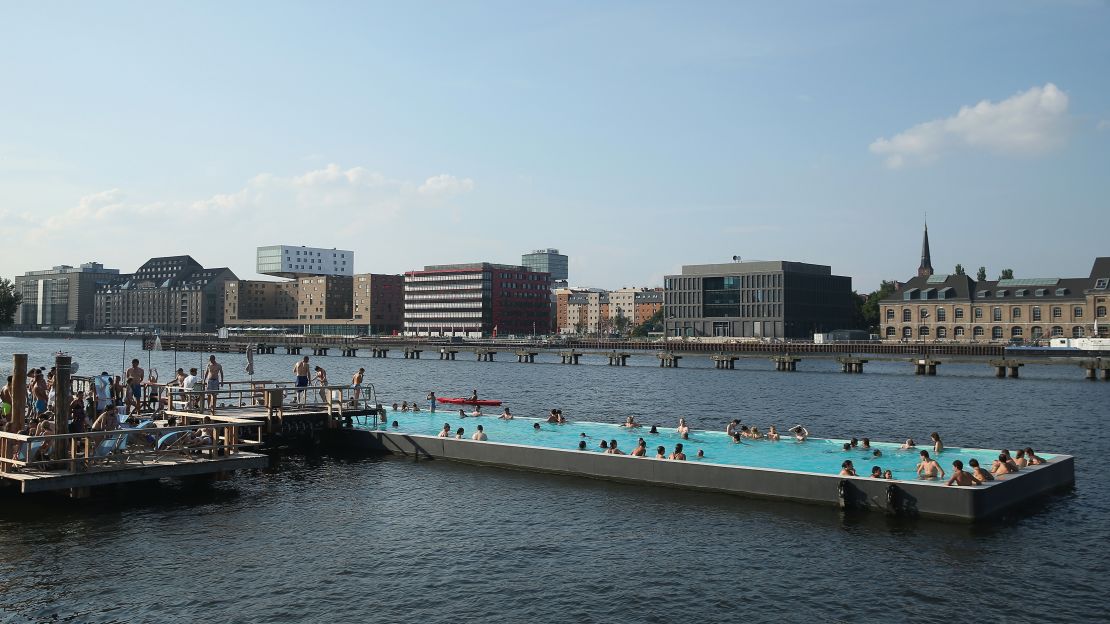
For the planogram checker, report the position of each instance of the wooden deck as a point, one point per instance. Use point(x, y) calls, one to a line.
point(33, 480)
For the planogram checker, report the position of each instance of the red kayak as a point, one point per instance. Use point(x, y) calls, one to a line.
point(462, 401)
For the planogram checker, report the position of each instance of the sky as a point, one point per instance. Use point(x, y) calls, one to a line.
point(633, 136)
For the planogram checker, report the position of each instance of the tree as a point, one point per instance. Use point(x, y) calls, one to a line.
point(981, 275)
point(960, 270)
point(9, 301)
point(621, 322)
point(580, 327)
point(867, 311)
point(654, 323)
point(1006, 274)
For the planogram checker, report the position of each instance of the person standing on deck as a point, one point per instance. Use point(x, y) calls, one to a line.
point(135, 376)
point(213, 375)
point(322, 379)
point(432, 400)
point(356, 385)
point(300, 370)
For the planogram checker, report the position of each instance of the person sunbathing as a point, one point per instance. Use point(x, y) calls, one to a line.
point(107, 421)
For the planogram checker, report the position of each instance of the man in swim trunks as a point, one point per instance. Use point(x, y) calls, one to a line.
point(356, 384)
point(961, 477)
point(928, 468)
point(213, 375)
point(135, 376)
point(39, 393)
point(300, 370)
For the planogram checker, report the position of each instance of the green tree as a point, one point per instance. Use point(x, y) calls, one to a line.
point(621, 322)
point(867, 312)
point(653, 323)
point(960, 270)
point(1006, 274)
point(981, 275)
point(9, 301)
point(580, 327)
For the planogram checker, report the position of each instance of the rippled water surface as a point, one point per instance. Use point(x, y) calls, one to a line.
point(340, 538)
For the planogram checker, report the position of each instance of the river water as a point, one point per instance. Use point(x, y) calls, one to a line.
point(383, 539)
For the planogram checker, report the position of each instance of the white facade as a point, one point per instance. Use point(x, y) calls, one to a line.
point(292, 260)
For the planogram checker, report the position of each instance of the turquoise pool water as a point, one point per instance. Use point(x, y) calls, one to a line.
point(818, 455)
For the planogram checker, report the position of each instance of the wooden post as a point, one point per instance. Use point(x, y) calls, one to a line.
point(19, 389)
point(62, 396)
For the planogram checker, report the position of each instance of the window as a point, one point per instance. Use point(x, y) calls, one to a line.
point(1100, 283)
point(1036, 313)
point(996, 314)
point(978, 313)
point(1015, 313)
point(890, 314)
point(906, 315)
point(1100, 311)
point(1077, 312)
point(907, 332)
point(923, 331)
point(924, 313)
point(890, 331)
point(1077, 332)
point(959, 314)
point(942, 332)
point(959, 332)
point(1057, 331)
point(1057, 312)
point(977, 332)
point(942, 315)
point(996, 333)
point(1015, 332)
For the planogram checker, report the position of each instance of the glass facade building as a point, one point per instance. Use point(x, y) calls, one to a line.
point(548, 261)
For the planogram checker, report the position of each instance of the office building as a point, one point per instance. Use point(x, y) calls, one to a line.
point(62, 298)
point(475, 300)
point(293, 261)
point(548, 261)
point(777, 299)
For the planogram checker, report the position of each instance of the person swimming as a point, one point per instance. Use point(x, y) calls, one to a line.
point(506, 415)
point(773, 434)
point(877, 453)
point(846, 447)
point(847, 469)
point(1034, 460)
point(678, 455)
point(641, 448)
point(660, 452)
point(682, 429)
point(732, 427)
point(854, 442)
point(928, 468)
point(446, 431)
point(1003, 466)
point(876, 472)
point(979, 473)
point(653, 429)
point(604, 445)
point(866, 444)
point(908, 444)
point(581, 445)
point(962, 478)
point(887, 474)
point(938, 446)
point(394, 424)
point(701, 454)
point(801, 434)
point(630, 422)
point(613, 450)
point(459, 433)
point(535, 426)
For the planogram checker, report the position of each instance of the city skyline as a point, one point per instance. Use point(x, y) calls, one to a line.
point(636, 138)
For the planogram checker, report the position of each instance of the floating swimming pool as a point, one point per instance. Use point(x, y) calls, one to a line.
point(815, 455)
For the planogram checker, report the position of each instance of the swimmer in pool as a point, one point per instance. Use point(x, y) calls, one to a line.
point(847, 469)
point(908, 444)
point(506, 415)
point(581, 445)
point(876, 472)
point(660, 452)
point(733, 427)
point(653, 429)
point(978, 472)
point(938, 446)
point(613, 450)
point(630, 422)
point(701, 454)
point(800, 433)
point(877, 453)
point(1032, 457)
point(1019, 458)
point(477, 411)
point(773, 434)
point(604, 445)
point(641, 449)
point(462, 413)
point(888, 475)
point(866, 444)
point(682, 429)
point(446, 432)
point(847, 446)
point(960, 477)
point(535, 426)
point(678, 455)
point(928, 468)
point(459, 433)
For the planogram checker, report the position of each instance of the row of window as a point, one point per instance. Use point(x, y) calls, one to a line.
point(997, 333)
point(996, 313)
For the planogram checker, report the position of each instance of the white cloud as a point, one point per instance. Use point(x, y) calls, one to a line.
point(446, 184)
point(1031, 122)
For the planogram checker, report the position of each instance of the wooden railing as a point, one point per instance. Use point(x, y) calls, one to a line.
point(80, 452)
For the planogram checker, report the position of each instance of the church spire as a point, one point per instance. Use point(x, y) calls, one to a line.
point(926, 268)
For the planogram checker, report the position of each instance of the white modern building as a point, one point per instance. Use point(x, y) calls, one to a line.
point(296, 261)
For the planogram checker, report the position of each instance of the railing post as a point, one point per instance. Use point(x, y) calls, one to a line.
point(19, 389)
point(62, 365)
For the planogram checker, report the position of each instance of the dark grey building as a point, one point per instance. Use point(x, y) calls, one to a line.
point(776, 299)
point(61, 298)
point(548, 261)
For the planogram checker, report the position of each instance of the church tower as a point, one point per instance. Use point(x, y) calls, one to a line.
point(926, 268)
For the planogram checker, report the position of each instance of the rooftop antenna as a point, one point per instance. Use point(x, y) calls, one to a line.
point(736, 258)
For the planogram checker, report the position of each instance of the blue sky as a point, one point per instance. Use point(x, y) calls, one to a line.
point(634, 136)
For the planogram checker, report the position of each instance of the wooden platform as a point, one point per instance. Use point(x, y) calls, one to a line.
point(34, 480)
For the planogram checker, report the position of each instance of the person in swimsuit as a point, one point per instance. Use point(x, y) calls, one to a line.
point(847, 469)
point(888, 475)
point(1003, 466)
point(876, 472)
point(300, 370)
point(641, 449)
point(800, 433)
point(979, 473)
point(682, 429)
point(734, 427)
point(961, 477)
point(630, 422)
point(908, 444)
point(356, 385)
point(1032, 457)
point(108, 420)
point(678, 455)
point(613, 450)
point(553, 418)
point(432, 401)
point(446, 431)
point(321, 378)
point(773, 434)
point(479, 435)
point(928, 468)
point(938, 446)
point(213, 375)
point(506, 415)
point(1019, 458)
point(415, 406)
point(135, 376)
